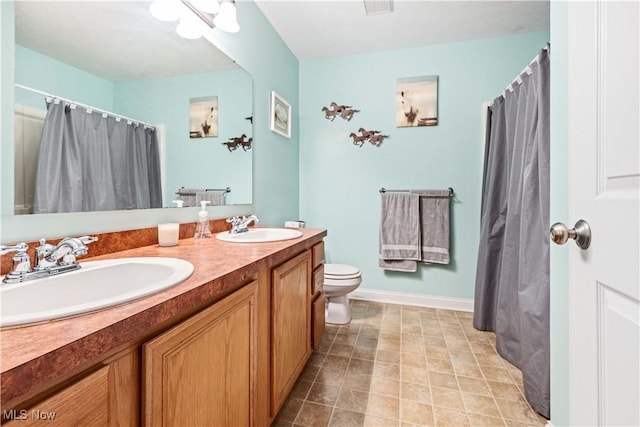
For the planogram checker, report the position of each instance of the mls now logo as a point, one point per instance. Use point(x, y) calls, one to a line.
point(23, 414)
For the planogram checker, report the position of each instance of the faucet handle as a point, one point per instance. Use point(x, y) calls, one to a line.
point(44, 249)
point(21, 247)
point(234, 220)
point(21, 260)
point(88, 239)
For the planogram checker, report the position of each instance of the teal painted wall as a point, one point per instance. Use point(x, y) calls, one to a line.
point(204, 162)
point(339, 181)
point(6, 108)
point(59, 79)
point(259, 50)
point(559, 212)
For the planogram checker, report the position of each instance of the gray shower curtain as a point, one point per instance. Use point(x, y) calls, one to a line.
point(88, 162)
point(512, 278)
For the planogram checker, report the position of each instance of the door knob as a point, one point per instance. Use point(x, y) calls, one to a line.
point(581, 233)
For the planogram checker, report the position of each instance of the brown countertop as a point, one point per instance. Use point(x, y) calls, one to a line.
point(34, 356)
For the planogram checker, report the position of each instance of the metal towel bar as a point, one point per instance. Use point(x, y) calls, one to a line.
point(384, 190)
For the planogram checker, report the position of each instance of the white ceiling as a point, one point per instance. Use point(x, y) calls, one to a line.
point(120, 40)
point(315, 29)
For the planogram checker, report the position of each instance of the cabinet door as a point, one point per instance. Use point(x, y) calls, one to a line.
point(290, 325)
point(85, 402)
point(106, 397)
point(202, 371)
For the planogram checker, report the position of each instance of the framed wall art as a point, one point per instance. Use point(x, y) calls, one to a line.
point(417, 101)
point(280, 115)
point(203, 117)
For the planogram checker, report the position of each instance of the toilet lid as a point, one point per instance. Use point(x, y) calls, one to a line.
point(340, 271)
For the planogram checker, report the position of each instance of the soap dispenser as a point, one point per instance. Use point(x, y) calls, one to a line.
point(202, 228)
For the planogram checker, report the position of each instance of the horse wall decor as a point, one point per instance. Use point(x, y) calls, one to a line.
point(233, 143)
point(373, 136)
point(344, 111)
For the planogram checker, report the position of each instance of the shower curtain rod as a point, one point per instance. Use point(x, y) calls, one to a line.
point(79, 104)
point(526, 69)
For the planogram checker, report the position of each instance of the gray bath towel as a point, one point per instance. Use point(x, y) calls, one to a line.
point(434, 224)
point(400, 231)
point(188, 196)
point(215, 198)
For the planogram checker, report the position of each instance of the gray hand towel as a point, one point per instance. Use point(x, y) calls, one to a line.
point(188, 196)
point(189, 201)
point(434, 224)
point(400, 232)
point(214, 197)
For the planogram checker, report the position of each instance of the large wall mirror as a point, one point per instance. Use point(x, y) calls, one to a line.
point(117, 58)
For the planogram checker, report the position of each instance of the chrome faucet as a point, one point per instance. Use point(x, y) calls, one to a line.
point(241, 224)
point(50, 260)
point(63, 254)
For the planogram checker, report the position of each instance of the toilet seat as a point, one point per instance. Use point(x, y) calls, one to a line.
point(339, 272)
point(341, 282)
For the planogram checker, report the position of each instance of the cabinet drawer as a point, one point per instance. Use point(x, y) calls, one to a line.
point(317, 318)
point(317, 283)
point(317, 254)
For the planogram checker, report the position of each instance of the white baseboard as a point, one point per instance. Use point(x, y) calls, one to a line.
point(388, 297)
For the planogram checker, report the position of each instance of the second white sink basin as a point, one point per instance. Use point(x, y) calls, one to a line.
point(97, 285)
point(257, 235)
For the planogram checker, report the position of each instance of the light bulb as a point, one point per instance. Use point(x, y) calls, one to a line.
point(165, 10)
point(227, 20)
point(190, 26)
point(207, 6)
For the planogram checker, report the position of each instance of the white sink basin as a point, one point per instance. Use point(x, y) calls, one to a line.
point(97, 285)
point(257, 235)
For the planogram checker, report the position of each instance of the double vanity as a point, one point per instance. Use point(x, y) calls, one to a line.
point(223, 347)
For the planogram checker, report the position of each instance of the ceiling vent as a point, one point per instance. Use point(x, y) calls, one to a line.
point(375, 7)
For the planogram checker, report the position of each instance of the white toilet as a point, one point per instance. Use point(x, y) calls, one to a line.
point(339, 280)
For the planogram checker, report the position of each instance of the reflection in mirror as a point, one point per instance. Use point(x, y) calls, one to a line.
point(123, 66)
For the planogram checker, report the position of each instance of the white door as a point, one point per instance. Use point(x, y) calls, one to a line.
point(604, 188)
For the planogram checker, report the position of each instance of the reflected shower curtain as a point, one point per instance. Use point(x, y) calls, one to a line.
point(512, 278)
point(88, 162)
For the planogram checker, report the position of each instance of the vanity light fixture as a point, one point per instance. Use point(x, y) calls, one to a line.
point(194, 14)
point(190, 26)
point(227, 19)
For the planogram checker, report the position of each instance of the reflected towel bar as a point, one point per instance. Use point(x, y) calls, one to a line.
point(384, 190)
point(193, 193)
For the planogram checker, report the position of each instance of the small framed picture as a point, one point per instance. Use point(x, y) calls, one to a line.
point(203, 117)
point(280, 115)
point(417, 101)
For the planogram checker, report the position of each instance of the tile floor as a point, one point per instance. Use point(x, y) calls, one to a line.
point(403, 365)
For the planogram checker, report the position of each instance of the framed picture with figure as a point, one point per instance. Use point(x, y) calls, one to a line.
point(280, 115)
point(203, 117)
point(417, 101)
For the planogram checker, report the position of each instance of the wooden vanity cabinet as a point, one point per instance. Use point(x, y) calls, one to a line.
point(232, 363)
point(318, 298)
point(202, 372)
point(108, 396)
point(290, 325)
